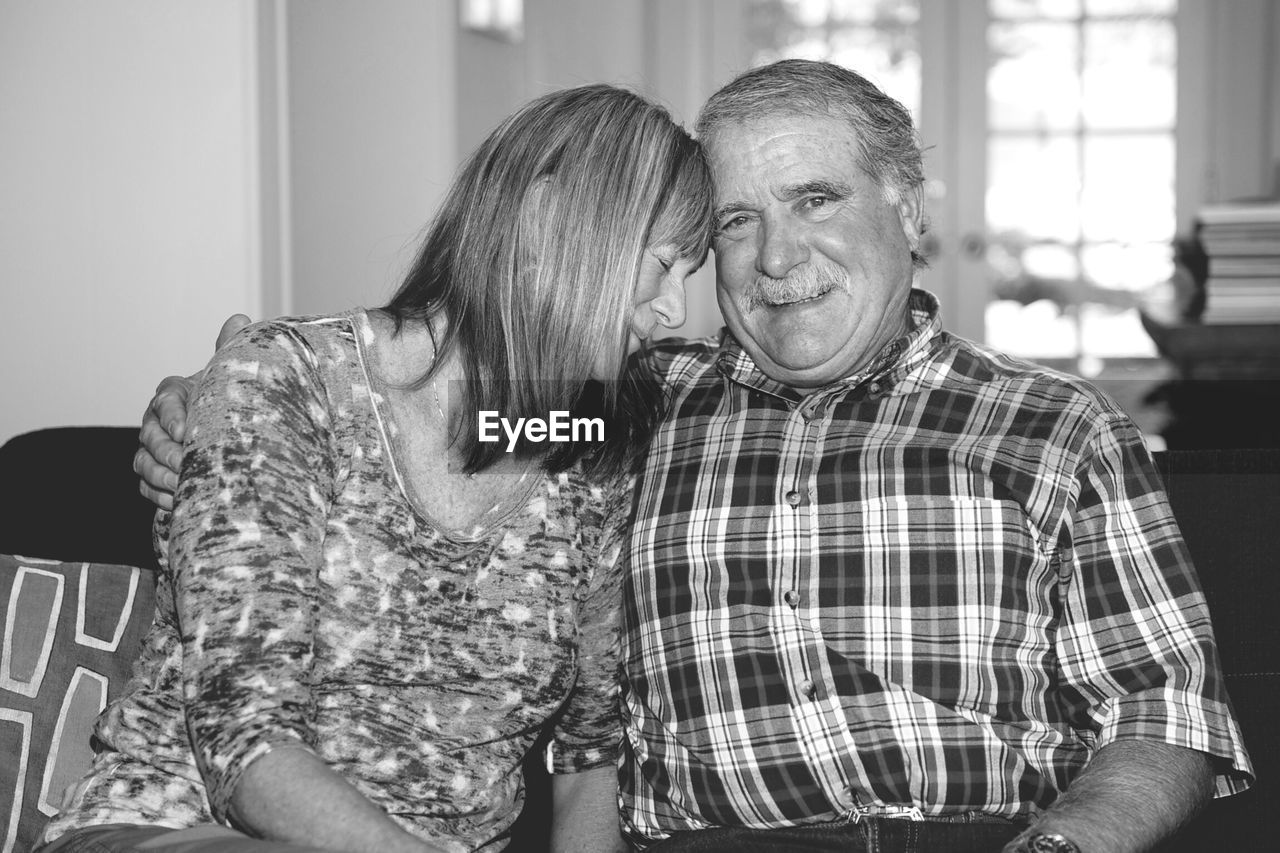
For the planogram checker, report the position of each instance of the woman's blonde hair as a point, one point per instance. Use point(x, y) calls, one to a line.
point(534, 255)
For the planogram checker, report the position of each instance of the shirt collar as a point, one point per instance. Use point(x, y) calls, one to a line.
point(893, 362)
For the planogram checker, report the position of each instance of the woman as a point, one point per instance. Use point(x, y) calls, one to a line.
point(369, 615)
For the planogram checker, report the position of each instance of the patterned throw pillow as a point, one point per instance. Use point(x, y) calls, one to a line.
point(68, 635)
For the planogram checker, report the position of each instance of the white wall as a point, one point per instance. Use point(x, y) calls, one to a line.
point(166, 164)
point(128, 199)
point(1228, 102)
point(371, 141)
point(1243, 113)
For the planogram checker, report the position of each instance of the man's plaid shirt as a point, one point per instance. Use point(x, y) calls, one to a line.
point(942, 583)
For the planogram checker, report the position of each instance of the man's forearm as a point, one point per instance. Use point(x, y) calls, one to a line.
point(290, 795)
point(1132, 795)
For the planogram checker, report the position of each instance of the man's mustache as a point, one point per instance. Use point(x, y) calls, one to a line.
point(806, 282)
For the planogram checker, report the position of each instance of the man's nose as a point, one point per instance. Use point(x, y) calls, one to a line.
point(782, 247)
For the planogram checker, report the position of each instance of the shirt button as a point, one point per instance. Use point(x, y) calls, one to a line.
point(791, 597)
point(793, 498)
point(807, 689)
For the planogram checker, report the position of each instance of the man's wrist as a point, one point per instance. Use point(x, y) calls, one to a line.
point(1038, 841)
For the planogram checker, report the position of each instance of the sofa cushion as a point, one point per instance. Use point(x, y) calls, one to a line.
point(69, 633)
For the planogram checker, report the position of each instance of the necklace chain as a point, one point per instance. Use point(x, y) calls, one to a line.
point(435, 394)
point(435, 390)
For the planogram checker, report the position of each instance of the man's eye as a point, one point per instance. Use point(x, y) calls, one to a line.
point(733, 224)
point(814, 202)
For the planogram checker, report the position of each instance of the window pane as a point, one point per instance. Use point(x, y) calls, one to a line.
point(1051, 260)
point(1128, 192)
point(1034, 8)
point(1109, 332)
point(1026, 273)
point(875, 11)
point(1130, 7)
point(1131, 267)
point(891, 62)
point(876, 38)
point(1129, 78)
point(1033, 81)
point(1033, 186)
point(775, 23)
point(1038, 330)
point(1115, 277)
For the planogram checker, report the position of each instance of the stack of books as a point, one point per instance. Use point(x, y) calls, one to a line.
point(1242, 241)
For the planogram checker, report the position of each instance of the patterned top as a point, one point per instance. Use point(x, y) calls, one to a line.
point(307, 604)
point(941, 584)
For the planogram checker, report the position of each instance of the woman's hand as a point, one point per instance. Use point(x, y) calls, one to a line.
point(164, 426)
point(584, 812)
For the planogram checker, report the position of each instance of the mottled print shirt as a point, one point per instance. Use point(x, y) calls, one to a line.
point(306, 604)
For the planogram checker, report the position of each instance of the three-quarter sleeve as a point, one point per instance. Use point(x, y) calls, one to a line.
point(245, 548)
point(588, 731)
point(1136, 649)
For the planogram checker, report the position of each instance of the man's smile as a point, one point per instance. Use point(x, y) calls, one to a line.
point(785, 303)
point(783, 294)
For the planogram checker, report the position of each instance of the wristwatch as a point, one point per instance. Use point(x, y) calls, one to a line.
point(1048, 842)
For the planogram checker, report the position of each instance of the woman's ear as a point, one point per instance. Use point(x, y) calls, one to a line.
point(539, 194)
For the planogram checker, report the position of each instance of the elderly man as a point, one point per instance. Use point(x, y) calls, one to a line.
point(880, 573)
point(890, 590)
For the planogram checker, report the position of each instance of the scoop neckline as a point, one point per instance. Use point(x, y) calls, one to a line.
point(479, 533)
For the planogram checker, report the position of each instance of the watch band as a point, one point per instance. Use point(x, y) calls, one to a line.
point(1048, 842)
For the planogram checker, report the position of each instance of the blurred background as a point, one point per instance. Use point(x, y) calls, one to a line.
point(169, 162)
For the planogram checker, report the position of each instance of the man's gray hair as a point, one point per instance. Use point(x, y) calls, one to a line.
point(886, 138)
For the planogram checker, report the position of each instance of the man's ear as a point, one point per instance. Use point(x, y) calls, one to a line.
point(911, 214)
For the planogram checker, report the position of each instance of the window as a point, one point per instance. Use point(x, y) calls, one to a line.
point(1077, 126)
point(877, 38)
point(1081, 99)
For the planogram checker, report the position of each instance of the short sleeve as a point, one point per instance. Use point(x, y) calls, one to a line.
point(244, 550)
point(1136, 649)
point(588, 731)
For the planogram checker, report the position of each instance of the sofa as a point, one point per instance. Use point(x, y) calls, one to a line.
point(74, 606)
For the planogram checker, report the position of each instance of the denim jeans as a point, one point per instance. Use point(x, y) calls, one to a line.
point(870, 835)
